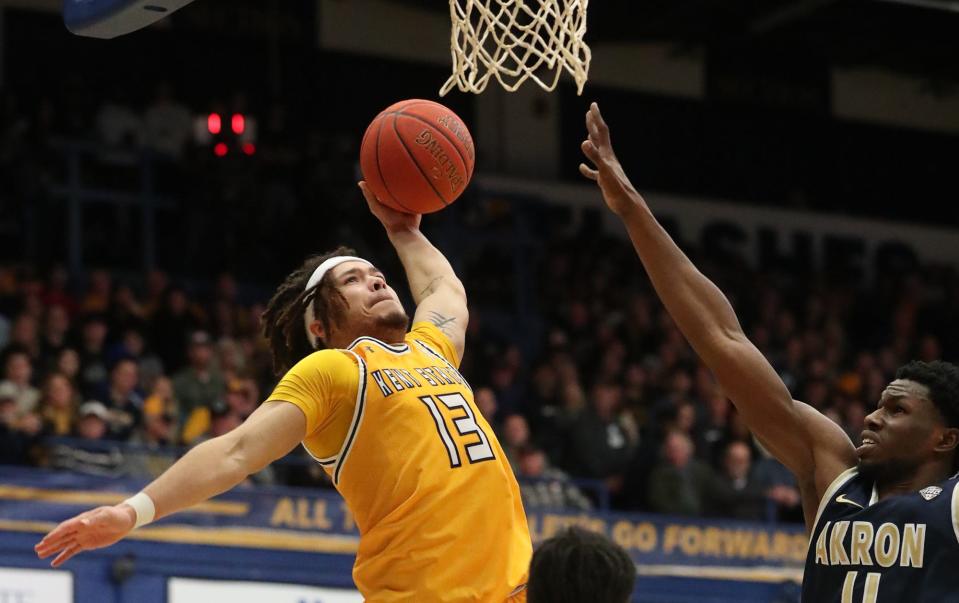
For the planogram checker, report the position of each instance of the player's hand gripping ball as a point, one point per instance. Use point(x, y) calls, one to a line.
point(417, 156)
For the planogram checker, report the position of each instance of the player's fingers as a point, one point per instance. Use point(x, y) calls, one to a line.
point(45, 550)
point(594, 109)
point(588, 172)
point(590, 150)
point(70, 551)
point(591, 123)
point(367, 193)
point(602, 130)
point(56, 538)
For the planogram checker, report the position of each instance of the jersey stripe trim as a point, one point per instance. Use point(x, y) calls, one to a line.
point(355, 424)
point(325, 461)
point(836, 484)
point(442, 359)
point(400, 348)
point(955, 510)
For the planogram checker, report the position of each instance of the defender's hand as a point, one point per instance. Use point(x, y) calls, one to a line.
point(618, 192)
point(91, 530)
point(392, 220)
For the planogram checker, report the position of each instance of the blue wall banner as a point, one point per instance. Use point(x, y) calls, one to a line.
point(286, 521)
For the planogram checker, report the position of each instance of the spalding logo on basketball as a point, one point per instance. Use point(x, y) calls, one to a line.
point(417, 156)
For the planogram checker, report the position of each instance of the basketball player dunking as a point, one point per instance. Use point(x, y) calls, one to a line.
point(884, 517)
point(388, 416)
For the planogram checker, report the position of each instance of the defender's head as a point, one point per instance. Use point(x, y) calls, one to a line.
point(916, 423)
point(328, 302)
point(578, 565)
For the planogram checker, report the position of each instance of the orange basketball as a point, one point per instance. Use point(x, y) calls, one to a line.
point(417, 156)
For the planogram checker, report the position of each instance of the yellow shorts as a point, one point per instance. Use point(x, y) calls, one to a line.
point(518, 597)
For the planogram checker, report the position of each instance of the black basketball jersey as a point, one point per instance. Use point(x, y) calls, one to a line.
point(902, 548)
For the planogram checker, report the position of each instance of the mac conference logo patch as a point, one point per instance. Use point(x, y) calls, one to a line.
point(930, 492)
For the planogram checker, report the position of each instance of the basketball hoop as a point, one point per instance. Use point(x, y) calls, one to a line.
point(516, 40)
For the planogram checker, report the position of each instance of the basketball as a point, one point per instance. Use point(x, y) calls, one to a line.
point(417, 156)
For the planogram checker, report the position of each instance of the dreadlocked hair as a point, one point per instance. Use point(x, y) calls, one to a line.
point(283, 318)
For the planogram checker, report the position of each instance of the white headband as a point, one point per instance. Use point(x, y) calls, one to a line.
point(315, 279)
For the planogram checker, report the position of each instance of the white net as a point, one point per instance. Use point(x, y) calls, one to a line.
point(516, 40)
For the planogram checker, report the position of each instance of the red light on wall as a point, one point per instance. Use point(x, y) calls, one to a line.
point(249, 148)
point(220, 149)
point(238, 123)
point(213, 123)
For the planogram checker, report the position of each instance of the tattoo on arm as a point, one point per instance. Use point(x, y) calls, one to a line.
point(431, 287)
point(441, 322)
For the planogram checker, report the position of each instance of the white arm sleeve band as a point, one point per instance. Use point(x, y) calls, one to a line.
point(144, 507)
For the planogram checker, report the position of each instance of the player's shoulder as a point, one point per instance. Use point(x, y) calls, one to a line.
point(429, 338)
point(326, 360)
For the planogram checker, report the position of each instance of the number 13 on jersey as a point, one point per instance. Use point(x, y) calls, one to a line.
point(464, 422)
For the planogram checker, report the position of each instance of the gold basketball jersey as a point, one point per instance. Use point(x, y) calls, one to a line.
point(434, 498)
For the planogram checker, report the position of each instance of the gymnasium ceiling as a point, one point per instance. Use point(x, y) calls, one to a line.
point(919, 38)
point(910, 37)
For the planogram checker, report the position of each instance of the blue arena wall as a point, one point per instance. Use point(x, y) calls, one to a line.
point(307, 537)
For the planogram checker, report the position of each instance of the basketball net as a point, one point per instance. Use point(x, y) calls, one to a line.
point(516, 40)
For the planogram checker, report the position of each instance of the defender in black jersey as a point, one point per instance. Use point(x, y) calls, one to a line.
point(884, 517)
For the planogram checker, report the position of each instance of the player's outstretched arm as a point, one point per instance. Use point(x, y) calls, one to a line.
point(804, 440)
point(211, 468)
point(439, 295)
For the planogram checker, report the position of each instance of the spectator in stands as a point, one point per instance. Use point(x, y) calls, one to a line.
point(93, 427)
point(713, 430)
point(157, 285)
point(680, 484)
point(158, 432)
point(230, 358)
point(242, 396)
point(485, 399)
point(124, 401)
point(93, 421)
point(229, 317)
point(56, 292)
point(18, 373)
point(16, 431)
point(744, 498)
point(97, 299)
point(515, 437)
point(200, 384)
point(576, 566)
point(779, 484)
point(133, 345)
point(24, 336)
point(68, 365)
point(602, 442)
point(56, 329)
point(58, 405)
point(173, 323)
point(151, 453)
point(161, 400)
point(93, 363)
point(504, 381)
point(545, 487)
point(548, 418)
point(125, 312)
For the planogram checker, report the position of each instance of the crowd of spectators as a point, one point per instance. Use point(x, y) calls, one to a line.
point(612, 394)
point(599, 398)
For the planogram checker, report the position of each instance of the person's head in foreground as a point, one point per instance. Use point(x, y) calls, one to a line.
point(327, 303)
point(576, 566)
point(915, 425)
